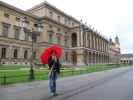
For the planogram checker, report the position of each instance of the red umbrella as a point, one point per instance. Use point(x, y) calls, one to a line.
point(45, 55)
point(58, 50)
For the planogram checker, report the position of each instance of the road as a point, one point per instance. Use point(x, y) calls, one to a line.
point(113, 84)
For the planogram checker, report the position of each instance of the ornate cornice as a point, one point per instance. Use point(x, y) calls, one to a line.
point(17, 10)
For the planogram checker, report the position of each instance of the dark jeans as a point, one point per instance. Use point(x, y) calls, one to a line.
point(52, 82)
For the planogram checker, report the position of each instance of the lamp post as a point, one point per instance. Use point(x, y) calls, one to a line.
point(33, 34)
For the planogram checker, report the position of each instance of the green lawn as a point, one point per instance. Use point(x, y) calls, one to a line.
point(18, 75)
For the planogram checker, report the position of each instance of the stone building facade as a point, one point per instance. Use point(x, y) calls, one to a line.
point(115, 54)
point(81, 44)
point(127, 58)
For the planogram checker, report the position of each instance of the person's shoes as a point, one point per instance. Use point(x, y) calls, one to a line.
point(51, 94)
point(55, 94)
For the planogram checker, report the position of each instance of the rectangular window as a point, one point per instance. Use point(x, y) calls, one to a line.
point(17, 32)
point(5, 30)
point(18, 19)
point(51, 14)
point(3, 53)
point(58, 18)
point(6, 15)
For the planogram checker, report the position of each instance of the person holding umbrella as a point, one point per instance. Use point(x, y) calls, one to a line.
point(51, 57)
point(54, 69)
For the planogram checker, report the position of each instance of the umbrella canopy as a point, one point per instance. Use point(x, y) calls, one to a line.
point(45, 55)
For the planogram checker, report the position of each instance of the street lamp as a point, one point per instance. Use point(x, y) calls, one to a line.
point(33, 34)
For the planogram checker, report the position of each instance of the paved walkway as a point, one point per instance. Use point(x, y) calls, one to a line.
point(66, 87)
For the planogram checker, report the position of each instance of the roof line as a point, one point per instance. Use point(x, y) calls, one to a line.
point(53, 7)
point(17, 9)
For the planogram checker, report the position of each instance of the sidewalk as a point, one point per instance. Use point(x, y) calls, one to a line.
point(65, 86)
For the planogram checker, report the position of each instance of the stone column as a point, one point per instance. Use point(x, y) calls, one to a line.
point(105, 46)
point(69, 58)
point(70, 40)
point(81, 37)
point(79, 34)
point(10, 52)
point(1, 29)
point(84, 39)
point(21, 53)
point(87, 39)
point(93, 41)
point(78, 39)
point(90, 40)
point(99, 44)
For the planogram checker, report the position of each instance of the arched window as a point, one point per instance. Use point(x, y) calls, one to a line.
point(3, 53)
point(15, 53)
point(25, 54)
point(74, 40)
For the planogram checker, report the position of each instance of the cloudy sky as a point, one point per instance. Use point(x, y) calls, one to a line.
point(110, 17)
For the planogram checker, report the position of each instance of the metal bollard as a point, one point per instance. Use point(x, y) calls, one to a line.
point(4, 80)
point(72, 72)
